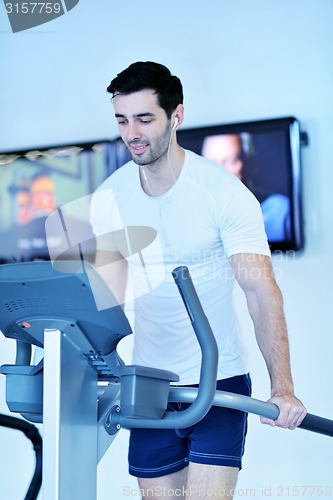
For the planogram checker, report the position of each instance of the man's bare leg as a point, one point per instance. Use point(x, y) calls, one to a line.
point(169, 487)
point(194, 482)
point(210, 481)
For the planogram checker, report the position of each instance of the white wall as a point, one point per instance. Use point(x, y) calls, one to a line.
point(238, 60)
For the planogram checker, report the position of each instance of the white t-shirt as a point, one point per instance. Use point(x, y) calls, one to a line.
point(206, 217)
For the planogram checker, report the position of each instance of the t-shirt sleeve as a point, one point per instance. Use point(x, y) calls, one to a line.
point(241, 225)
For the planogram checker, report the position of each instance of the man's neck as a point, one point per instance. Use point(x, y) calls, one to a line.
point(159, 177)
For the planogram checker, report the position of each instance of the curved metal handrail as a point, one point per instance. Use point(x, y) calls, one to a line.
point(247, 404)
point(209, 362)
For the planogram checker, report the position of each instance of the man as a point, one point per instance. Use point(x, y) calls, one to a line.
point(205, 218)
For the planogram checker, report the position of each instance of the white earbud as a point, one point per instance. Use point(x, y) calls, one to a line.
point(175, 124)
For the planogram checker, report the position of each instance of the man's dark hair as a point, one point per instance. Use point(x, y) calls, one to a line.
point(150, 75)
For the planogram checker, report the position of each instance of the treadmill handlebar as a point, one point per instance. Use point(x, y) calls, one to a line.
point(201, 399)
point(247, 404)
point(208, 372)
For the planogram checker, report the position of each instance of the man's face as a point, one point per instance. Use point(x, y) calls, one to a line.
point(143, 125)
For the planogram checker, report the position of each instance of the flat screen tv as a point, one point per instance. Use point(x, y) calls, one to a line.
point(265, 155)
point(36, 182)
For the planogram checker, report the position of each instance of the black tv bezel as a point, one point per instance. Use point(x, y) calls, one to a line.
point(289, 124)
point(86, 145)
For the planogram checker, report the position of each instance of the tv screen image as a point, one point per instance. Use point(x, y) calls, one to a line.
point(34, 183)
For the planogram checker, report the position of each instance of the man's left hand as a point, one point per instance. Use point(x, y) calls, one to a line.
point(292, 412)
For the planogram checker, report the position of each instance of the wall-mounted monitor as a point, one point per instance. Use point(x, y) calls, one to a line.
point(36, 182)
point(265, 156)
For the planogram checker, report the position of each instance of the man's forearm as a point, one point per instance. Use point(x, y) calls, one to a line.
point(266, 309)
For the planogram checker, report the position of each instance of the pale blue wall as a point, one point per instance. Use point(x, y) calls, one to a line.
point(238, 60)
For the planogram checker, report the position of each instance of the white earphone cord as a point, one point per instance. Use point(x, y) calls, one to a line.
point(168, 152)
point(168, 160)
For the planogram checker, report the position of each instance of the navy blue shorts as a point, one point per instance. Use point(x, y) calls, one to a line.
point(218, 439)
